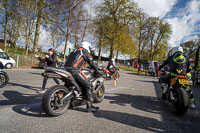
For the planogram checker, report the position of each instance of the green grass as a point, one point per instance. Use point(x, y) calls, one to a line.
point(132, 70)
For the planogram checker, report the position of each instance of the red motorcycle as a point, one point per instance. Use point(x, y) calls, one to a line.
point(109, 75)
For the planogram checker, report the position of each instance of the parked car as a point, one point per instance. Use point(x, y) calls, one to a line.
point(7, 61)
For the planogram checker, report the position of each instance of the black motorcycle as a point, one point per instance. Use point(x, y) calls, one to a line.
point(3, 77)
point(58, 98)
point(178, 93)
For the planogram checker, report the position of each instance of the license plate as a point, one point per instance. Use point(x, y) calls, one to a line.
point(183, 81)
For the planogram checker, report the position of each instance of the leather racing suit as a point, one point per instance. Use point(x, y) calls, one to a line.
point(75, 62)
point(110, 66)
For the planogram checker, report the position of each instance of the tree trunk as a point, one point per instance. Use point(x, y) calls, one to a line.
point(15, 42)
point(151, 50)
point(38, 24)
point(65, 46)
point(117, 56)
point(84, 30)
point(67, 34)
point(99, 55)
point(6, 24)
point(27, 43)
point(111, 50)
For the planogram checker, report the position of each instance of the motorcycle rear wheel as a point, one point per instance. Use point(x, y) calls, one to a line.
point(180, 105)
point(3, 79)
point(51, 100)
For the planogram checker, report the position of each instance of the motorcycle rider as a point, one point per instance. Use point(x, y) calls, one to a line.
point(111, 65)
point(75, 62)
point(178, 63)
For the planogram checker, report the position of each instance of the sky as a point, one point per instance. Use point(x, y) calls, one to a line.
point(183, 15)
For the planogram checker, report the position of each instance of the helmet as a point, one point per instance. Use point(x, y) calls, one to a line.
point(177, 49)
point(86, 45)
point(113, 59)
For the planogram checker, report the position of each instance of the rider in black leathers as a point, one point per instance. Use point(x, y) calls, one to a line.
point(111, 65)
point(75, 63)
point(178, 63)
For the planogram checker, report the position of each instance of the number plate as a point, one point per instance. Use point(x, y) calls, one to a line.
point(183, 81)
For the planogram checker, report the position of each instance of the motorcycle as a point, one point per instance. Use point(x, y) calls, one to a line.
point(3, 77)
point(58, 98)
point(109, 75)
point(178, 93)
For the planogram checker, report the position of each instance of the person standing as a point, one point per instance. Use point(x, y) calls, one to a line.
point(50, 61)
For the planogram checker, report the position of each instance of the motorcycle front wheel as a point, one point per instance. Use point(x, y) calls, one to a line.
point(3, 79)
point(51, 100)
point(99, 96)
point(180, 104)
point(117, 76)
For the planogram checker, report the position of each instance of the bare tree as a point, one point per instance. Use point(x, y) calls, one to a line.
point(7, 15)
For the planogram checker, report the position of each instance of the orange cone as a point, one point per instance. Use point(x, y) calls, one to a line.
point(114, 82)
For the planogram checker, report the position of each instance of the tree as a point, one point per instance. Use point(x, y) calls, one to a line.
point(68, 16)
point(117, 15)
point(190, 47)
point(38, 24)
point(138, 26)
point(159, 33)
point(15, 20)
point(44, 16)
point(7, 15)
point(28, 10)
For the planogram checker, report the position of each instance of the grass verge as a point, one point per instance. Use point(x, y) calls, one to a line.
point(132, 70)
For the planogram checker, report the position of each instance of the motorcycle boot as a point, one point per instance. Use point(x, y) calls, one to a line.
point(192, 103)
point(78, 95)
point(90, 107)
point(164, 88)
point(164, 91)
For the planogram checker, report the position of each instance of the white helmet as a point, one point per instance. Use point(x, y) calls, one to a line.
point(177, 49)
point(86, 45)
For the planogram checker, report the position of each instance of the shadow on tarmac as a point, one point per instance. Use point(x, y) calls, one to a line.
point(33, 110)
point(24, 86)
point(25, 104)
point(137, 121)
point(15, 97)
point(172, 123)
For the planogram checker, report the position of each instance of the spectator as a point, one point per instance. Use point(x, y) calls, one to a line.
point(50, 61)
point(128, 64)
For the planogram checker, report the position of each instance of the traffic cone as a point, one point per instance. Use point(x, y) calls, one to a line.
point(114, 82)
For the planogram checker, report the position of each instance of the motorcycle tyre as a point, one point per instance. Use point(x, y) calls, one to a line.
point(46, 98)
point(181, 106)
point(98, 99)
point(6, 79)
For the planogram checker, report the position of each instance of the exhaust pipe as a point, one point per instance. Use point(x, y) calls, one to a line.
point(67, 97)
point(51, 75)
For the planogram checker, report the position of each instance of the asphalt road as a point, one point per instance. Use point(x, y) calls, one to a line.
point(133, 106)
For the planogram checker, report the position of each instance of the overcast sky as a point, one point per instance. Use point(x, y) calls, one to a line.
point(183, 15)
